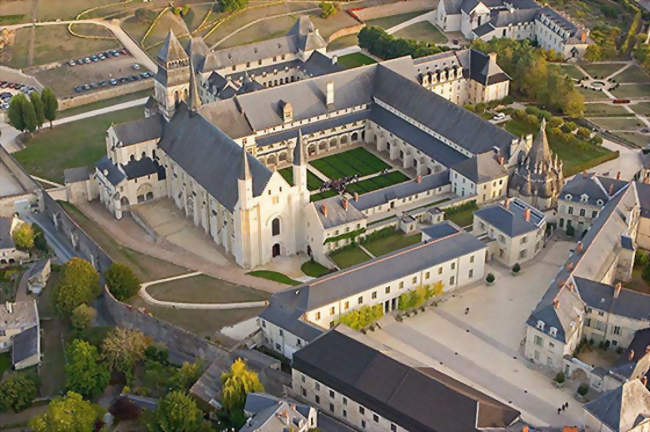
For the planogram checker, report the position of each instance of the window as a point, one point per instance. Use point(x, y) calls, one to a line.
point(346, 305)
point(393, 427)
point(345, 413)
point(332, 309)
point(594, 214)
point(281, 332)
point(304, 392)
point(317, 316)
point(426, 275)
point(362, 410)
point(345, 401)
point(414, 280)
point(401, 285)
point(451, 280)
point(332, 394)
point(570, 210)
point(617, 330)
point(363, 424)
point(453, 265)
point(387, 289)
point(331, 407)
point(360, 300)
point(538, 340)
point(374, 295)
point(317, 399)
point(439, 270)
point(375, 417)
point(471, 273)
point(317, 386)
point(588, 322)
point(302, 378)
point(582, 212)
point(471, 259)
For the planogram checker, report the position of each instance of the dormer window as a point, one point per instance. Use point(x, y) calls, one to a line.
point(553, 331)
point(599, 202)
point(540, 324)
point(584, 198)
point(568, 197)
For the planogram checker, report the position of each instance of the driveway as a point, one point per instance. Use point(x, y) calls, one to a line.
point(482, 347)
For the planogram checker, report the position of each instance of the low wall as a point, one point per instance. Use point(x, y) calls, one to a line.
point(17, 171)
point(345, 32)
point(396, 8)
point(120, 90)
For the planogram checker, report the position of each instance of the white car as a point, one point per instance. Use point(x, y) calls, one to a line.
point(499, 116)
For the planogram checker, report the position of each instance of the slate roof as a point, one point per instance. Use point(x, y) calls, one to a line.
point(643, 191)
point(25, 345)
point(110, 171)
point(595, 187)
point(171, 49)
point(336, 213)
point(629, 303)
point(6, 240)
point(72, 175)
point(511, 220)
point(143, 167)
point(211, 157)
point(137, 131)
point(481, 168)
point(400, 393)
point(438, 231)
point(401, 190)
point(622, 408)
point(633, 362)
point(484, 71)
point(452, 7)
point(268, 412)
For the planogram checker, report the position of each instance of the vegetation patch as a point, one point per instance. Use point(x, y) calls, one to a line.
point(204, 289)
point(313, 182)
point(632, 91)
point(274, 276)
point(377, 182)
point(601, 70)
point(462, 215)
point(605, 109)
point(386, 46)
point(355, 60)
point(423, 31)
point(591, 95)
point(356, 161)
point(315, 269)
point(618, 122)
point(363, 317)
point(632, 74)
point(392, 20)
point(349, 256)
point(391, 241)
point(642, 108)
point(634, 139)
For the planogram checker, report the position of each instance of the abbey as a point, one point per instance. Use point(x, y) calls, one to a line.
point(222, 124)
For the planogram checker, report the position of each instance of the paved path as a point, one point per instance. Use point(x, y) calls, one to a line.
point(100, 111)
point(181, 305)
point(428, 16)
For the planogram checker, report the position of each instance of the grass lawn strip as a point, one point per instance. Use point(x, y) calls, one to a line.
point(642, 108)
point(632, 91)
point(422, 31)
point(601, 70)
point(104, 103)
point(592, 95)
point(632, 74)
point(605, 109)
point(315, 269)
point(356, 161)
point(79, 143)
point(274, 276)
point(391, 243)
point(572, 71)
point(322, 195)
point(378, 182)
point(313, 182)
point(392, 20)
point(625, 123)
point(635, 139)
point(204, 289)
point(349, 256)
point(354, 60)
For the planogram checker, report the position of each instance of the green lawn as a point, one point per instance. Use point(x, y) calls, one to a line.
point(600, 70)
point(313, 182)
point(393, 242)
point(356, 161)
point(354, 60)
point(274, 276)
point(625, 123)
point(642, 108)
point(322, 195)
point(637, 283)
point(463, 215)
point(343, 42)
point(349, 256)
point(314, 269)
point(604, 109)
point(5, 362)
point(632, 91)
point(592, 95)
point(635, 139)
point(71, 145)
point(104, 103)
point(378, 182)
point(423, 31)
point(633, 74)
point(519, 128)
point(392, 20)
point(571, 71)
point(204, 289)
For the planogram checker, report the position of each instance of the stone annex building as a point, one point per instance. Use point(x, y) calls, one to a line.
point(220, 125)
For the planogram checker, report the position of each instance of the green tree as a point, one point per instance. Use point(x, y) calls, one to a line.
point(39, 109)
point(123, 348)
point(84, 372)
point(82, 316)
point(18, 391)
point(237, 383)
point(29, 116)
point(23, 236)
point(69, 413)
point(232, 5)
point(16, 118)
point(327, 9)
point(121, 281)
point(79, 283)
point(186, 376)
point(645, 274)
point(50, 104)
point(177, 412)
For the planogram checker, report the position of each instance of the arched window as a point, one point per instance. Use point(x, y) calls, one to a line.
point(275, 251)
point(176, 96)
point(275, 227)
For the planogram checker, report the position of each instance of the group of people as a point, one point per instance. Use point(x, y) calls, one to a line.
point(339, 185)
point(564, 406)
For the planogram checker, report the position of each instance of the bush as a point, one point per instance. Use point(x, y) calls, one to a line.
point(532, 110)
point(583, 133)
point(640, 258)
point(583, 389)
point(23, 236)
point(555, 122)
point(82, 316)
point(362, 317)
point(596, 140)
point(489, 278)
point(559, 378)
point(645, 274)
point(232, 5)
point(327, 9)
point(18, 391)
point(516, 268)
point(121, 281)
point(386, 46)
point(79, 284)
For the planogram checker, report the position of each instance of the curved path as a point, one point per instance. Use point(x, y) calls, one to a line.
point(180, 305)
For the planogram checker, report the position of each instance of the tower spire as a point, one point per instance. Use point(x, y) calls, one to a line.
point(245, 173)
point(299, 151)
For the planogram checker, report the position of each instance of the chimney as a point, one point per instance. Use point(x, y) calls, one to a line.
point(493, 57)
point(335, 59)
point(617, 290)
point(501, 160)
point(618, 175)
point(611, 189)
point(527, 215)
point(579, 247)
point(556, 303)
point(345, 203)
point(10, 307)
point(630, 356)
point(418, 179)
point(506, 204)
point(561, 282)
point(329, 93)
point(644, 381)
point(356, 196)
point(324, 209)
point(525, 429)
point(583, 36)
point(569, 265)
point(647, 348)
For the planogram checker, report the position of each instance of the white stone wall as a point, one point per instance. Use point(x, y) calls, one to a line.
point(280, 340)
point(618, 330)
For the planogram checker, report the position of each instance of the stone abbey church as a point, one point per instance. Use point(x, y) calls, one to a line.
point(222, 123)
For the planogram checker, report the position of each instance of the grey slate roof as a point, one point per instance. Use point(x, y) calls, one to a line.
point(25, 345)
point(629, 303)
point(267, 412)
point(137, 131)
point(171, 49)
point(72, 175)
point(110, 170)
point(452, 7)
point(622, 408)
point(482, 70)
point(511, 220)
point(143, 167)
point(336, 214)
point(481, 168)
point(211, 157)
point(401, 190)
point(6, 240)
point(438, 231)
point(595, 187)
point(414, 399)
point(643, 191)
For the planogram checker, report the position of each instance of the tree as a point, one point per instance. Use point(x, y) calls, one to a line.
point(50, 104)
point(232, 5)
point(29, 116)
point(39, 109)
point(645, 274)
point(516, 268)
point(79, 283)
point(327, 9)
point(69, 413)
point(82, 316)
point(123, 348)
point(121, 281)
point(84, 372)
point(23, 236)
point(16, 112)
point(18, 391)
point(237, 383)
point(186, 376)
point(176, 412)
point(640, 258)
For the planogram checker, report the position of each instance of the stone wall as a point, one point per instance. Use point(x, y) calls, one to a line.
point(396, 8)
point(123, 89)
point(345, 32)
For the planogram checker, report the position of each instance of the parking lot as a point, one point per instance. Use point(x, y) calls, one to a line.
point(101, 70)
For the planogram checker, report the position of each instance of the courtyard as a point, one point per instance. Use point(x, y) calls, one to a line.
point(482, 347)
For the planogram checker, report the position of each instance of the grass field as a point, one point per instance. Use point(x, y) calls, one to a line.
point(633, 74)
point(104, 103)
point(313, 182)
point(423, 31)
point(354, 60)
point(378, 182)
point(79, 143)
point(604, 109)
point(146, 267)
point(343, 42)
point(5, 362)
point(314, 269)
point(600, 70)
point(322, 195)
point(632, 91)
point(592, 95)
point(571, 71)
point(642, 108)
point(274, 276)
point(462, 217)
point(636, 139)
point(392, 20)
point(393, 242)
point(349, 256)
point(264, 30)
point(356, 161)
point(623, 123)
point(204, 289)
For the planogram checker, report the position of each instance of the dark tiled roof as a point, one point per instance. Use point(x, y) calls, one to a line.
point(511, 220)
point(171, 49)
point(481, 168)
point(623, 407)
point(143, 167)
point(25, 345)
point(440, 230)
point(110, 170)
point(137, 131)
point(629, 303)
point(402, 394)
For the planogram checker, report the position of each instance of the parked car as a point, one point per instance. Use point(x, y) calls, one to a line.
point(79, 89)
point(5, 106)
point(102, 57)
point(149, 74)
point(123, 51)
point(86, 87)
point(87, 60)
point(5, 95)
point(499, 116)
point(113, 81)
point(3, 84)
point(136, 67)
point(115, 53)
point(72, 63)
point(103, 83)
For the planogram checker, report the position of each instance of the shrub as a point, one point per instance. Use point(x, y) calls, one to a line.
point(327, 9)
point(23, 236)
point(516, 268)
point(386, 46)
point(121, 281)
point(559, 378)
point(79, 284)
point(362, 317)
point(583, 389)
point(18, 391)
point(555, 122)
point(596, 140)
point(82, 316)
point(640, 258)
point(480, 108)
point(583, 133)
point(532, 110)
point(232, 5)
point(489, 278)
point(645, 274)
